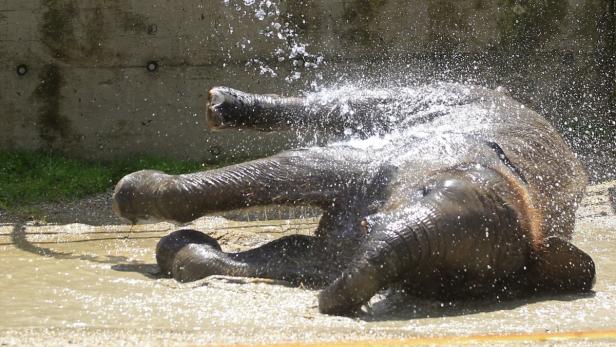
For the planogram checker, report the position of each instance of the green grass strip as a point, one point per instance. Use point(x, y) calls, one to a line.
point(28, 178)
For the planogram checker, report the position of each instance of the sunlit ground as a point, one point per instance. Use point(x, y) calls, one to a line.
point(85, 284)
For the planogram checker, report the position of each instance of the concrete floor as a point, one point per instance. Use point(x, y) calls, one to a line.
point(94, 285)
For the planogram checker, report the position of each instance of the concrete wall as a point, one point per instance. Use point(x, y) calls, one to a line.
point(87, 91)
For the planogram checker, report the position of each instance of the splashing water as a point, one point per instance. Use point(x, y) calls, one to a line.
point(294, 61)
point(289, 46)
point(374, 116)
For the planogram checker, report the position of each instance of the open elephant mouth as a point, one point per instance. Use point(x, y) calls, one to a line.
point(450, 190)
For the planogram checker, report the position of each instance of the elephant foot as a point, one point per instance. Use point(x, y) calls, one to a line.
point(189, 255)
point(219, 99)
point(134, 200)
point(228, 108)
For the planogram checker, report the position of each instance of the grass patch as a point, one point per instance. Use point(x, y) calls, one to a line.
point(28, 178)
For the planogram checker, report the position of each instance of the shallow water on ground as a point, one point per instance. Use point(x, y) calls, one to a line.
point(91, 285)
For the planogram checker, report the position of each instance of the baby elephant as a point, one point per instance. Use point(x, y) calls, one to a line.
point(447, 190)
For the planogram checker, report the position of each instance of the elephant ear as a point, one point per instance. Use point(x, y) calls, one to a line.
point(559, 266)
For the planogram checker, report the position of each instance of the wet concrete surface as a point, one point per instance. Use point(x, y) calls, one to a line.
point(95, 285)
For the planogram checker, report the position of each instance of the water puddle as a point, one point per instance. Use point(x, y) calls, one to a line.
point(85, 284)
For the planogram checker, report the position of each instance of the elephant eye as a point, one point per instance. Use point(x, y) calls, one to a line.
point(426, 190)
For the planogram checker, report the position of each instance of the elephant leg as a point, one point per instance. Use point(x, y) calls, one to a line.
point(230, 108)
point(189, 255)
point(471, 222)
point(560, 267)
point(312, 177)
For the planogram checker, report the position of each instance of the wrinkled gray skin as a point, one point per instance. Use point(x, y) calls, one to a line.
point(447, 190)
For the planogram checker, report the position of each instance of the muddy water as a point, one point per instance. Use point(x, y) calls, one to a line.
point(90, 285)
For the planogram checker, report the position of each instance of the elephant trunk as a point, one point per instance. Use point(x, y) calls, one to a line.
point(391, 250)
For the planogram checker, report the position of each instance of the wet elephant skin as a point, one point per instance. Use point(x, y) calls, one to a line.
point(448, 190)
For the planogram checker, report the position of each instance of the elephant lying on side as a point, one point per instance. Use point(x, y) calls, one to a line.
point(447, 190)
